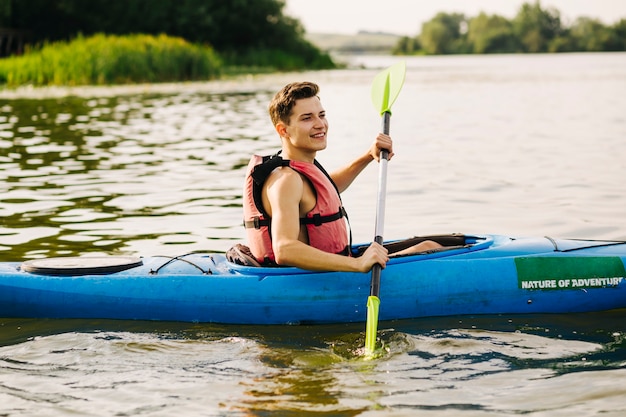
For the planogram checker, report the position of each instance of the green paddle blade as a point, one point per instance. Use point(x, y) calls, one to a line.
point(386, 87)
point(372, 324)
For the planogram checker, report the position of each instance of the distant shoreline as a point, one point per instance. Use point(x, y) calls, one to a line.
point(361, 42)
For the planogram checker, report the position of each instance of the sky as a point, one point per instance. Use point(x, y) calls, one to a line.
point(405, 17)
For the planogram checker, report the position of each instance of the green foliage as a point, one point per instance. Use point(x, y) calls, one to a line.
point(236, 29)
point(443, 34)
point(107, 59)
point(536, 27)
point(407, 45)
point(620, 33)
point(276, 59)
point(591, 35)
point(491, 34)
point(533, 29)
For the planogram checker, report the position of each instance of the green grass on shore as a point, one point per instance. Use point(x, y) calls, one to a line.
point(106, 59)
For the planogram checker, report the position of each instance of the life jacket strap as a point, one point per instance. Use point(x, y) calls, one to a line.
point(316, 219)
point(256, 223)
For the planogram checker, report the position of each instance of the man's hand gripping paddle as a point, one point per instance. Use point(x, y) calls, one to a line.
point(385, 90)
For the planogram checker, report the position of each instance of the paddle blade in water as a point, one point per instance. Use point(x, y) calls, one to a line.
point(386, 87)
point(371, 328)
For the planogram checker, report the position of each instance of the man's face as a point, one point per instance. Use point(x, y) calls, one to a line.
point(308, 126)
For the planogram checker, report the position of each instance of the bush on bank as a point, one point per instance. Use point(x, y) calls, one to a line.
point(107, 59)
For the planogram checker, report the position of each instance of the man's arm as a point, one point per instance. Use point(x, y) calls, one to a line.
point(343, 177)
point(284, 191)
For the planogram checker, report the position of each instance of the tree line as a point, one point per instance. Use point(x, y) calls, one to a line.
point(243, 32)
point(534, 29)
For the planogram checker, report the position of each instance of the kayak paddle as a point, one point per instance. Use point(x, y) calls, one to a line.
point(385, 90)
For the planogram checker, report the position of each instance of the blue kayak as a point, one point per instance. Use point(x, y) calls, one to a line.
point(473, 274)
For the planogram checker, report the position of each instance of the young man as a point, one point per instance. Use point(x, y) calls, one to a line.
point(293, 214)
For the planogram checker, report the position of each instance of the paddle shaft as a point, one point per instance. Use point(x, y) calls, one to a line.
point(380, 207)
point(385, 90)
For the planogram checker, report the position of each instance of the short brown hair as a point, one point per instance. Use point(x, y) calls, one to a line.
point(283, 102)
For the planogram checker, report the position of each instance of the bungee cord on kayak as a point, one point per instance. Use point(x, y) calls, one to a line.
point(179, 258)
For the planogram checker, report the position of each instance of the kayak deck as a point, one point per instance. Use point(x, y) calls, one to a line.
point(489, 274)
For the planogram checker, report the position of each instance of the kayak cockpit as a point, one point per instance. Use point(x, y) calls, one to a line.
point(452, 244)
point(447, 242)
point(238, 258)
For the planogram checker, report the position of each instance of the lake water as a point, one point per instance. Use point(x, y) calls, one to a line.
point(513, 144)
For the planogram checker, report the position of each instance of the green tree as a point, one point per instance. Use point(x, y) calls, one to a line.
point(535, 27)
point(563, 43)
point(233, 27)
point(491, 34)
point(619, 29)
point(444, 34)
point(591, 35)
point(407, 46)
point(5, 13)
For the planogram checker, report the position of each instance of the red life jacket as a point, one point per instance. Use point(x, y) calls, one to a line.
point(325, 225)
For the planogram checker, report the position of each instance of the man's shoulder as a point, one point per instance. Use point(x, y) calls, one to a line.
point(284, 174)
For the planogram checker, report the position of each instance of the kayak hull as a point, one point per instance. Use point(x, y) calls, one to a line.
point(490, 275)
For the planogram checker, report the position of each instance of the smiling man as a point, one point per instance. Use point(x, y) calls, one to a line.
point(292, 208)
